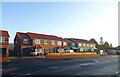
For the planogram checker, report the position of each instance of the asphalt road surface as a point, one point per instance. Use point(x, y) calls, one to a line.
point(38, 66)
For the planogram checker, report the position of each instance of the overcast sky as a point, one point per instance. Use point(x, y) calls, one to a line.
point(84, 20)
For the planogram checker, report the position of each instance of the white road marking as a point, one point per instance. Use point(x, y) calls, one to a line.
point(31, 73)
point(95, 60)
point(102, 61)
point(27, 74)
point(54, 67)
point(87, 64)
point(118, 72)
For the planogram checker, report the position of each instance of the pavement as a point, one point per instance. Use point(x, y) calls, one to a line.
point(27, 57)
point(106, 65)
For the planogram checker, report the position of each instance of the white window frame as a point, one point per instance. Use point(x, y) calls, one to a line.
point(80, 44)
point(45, 41)
point(73, 44)
point(91, 45)
point(87, 45)
point(25, 41)
point(37, 41)
point(64, 43)
point(53, 42)
point(2, 39)
point(84, 45)
point(59, 42)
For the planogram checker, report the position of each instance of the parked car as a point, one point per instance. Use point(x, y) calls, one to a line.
point(38, 51)
point(118, 52)
point(103, 53)
point(71, 51)
point(33, 53)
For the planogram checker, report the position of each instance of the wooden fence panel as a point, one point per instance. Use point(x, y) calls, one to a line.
point(71, 55)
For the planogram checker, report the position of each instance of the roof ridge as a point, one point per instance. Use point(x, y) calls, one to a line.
point(4, 30)
point(78, 40)
point(4, 33)
point(19, 32)
point(75, 38)
point(43, 34)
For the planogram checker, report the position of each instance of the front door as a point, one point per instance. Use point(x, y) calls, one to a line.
point(3, 53)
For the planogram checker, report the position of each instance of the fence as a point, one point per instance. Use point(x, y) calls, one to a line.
point(71, 55)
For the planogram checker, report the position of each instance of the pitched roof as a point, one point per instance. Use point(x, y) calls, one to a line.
point(80, 40)
point(44, 36)
point(4, 33)
point(22, 35)
point(69, 40)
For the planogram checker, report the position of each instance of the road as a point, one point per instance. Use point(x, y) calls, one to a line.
point(38, 66)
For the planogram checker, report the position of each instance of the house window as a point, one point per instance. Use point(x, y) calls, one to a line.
point(46, 50)
point(94, 45)
point(73, 44)
point(16, 41)
point(80, 44)
point(91, 45)
point(25, 41)
point(64, 43)
point(59, 42)
point(84, 44)
point(45, 41)
point(87, 45)
point(53, 42)
point(37, 41)
point(2, 39)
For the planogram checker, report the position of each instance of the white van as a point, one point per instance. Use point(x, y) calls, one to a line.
point(33, 53)
point(69, 51)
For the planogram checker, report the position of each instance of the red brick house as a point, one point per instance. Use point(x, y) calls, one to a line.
point(22, 42)
point(4, 45)
point(80, 43)
point(28, 42)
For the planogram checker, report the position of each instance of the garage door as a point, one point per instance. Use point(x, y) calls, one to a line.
point(26, 51)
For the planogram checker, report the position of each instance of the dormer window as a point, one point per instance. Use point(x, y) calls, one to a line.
point(2, 39)
point(26, 41)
